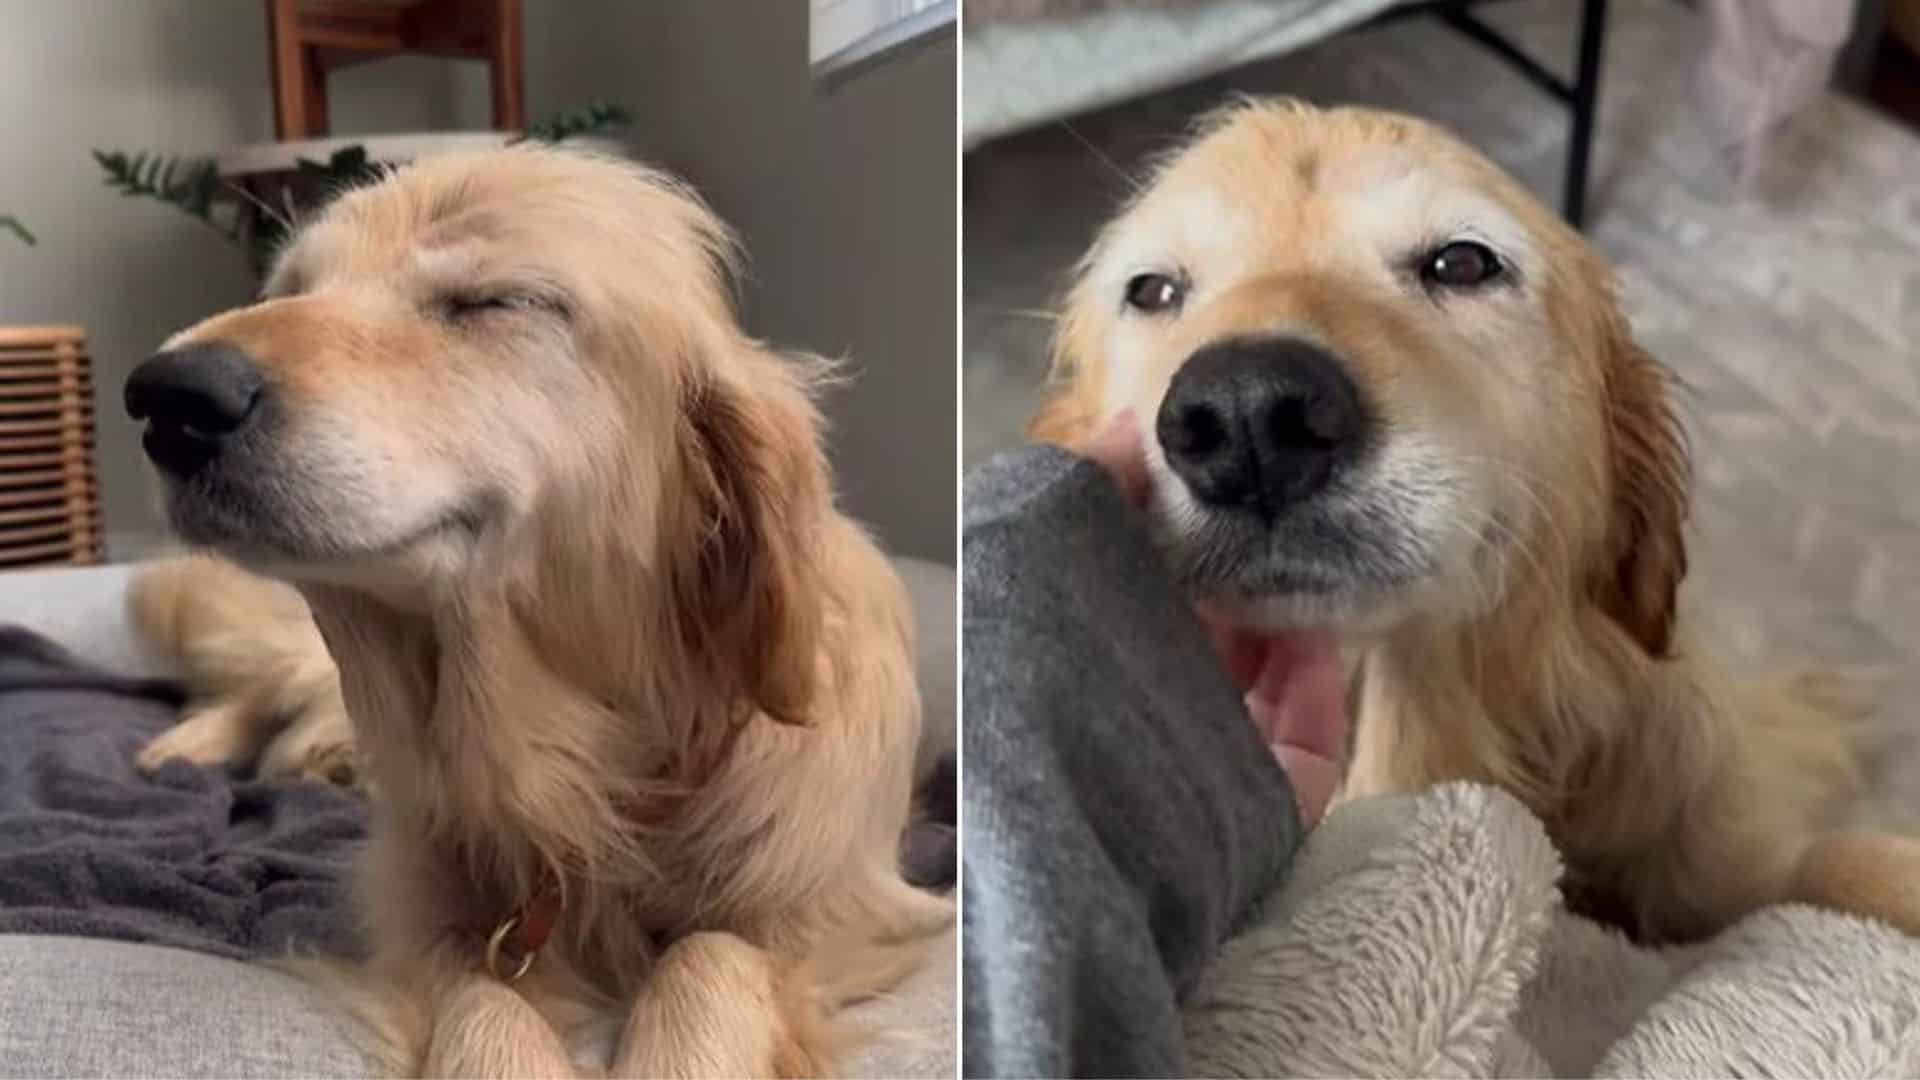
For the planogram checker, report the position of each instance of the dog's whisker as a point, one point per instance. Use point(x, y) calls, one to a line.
point(1133, 183)
point(277, 217)
point(1034, 314)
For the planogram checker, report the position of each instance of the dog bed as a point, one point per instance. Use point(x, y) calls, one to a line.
point(1424, 936)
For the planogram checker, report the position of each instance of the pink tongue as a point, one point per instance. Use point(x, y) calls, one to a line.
point(1297, 691)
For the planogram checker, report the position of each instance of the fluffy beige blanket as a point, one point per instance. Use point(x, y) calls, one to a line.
point(1423, 936)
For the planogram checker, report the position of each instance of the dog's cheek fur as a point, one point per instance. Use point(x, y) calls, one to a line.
point(1651, 480)
point(1070, 414)
point(747, 595)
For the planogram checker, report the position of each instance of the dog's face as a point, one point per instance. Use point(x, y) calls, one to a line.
point(1375, 379)
point(522, 362)
point(433, 357)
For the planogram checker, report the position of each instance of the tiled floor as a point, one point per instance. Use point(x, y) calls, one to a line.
point(1792, 309)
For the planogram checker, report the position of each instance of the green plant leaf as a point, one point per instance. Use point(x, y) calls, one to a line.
point(592, 118)
point(192, 185)
point(186, 184)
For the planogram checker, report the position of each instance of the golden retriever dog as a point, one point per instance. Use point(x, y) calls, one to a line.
point(1393, 417)
point(636, 697)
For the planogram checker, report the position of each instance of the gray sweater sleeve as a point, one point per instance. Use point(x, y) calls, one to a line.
point(1120, 812)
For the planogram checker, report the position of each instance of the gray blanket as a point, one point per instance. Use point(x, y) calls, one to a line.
point(189, 857)
point(195, 857)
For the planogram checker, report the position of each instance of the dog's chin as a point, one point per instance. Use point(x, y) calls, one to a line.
point(261, 531)
point(1357, 559)
point(1338, 583)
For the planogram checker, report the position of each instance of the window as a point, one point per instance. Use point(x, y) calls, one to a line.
point(846, 34)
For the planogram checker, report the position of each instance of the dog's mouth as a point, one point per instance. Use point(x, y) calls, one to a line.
point(1280, 594)
point(1294, 681)
point(1290, 674)
point(1340, 563)
point(1279, 612)
point(260, 517)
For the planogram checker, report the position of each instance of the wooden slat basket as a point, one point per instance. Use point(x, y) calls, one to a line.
point(49, 482)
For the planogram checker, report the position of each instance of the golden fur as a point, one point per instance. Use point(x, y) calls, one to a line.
point(570, 536)
point(263, 691)
point(1534, 463)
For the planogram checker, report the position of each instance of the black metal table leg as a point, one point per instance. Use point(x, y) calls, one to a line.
point(1586, 92)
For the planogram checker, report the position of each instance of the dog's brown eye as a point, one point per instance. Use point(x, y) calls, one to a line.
point(1461, 264)
point(1155, 292)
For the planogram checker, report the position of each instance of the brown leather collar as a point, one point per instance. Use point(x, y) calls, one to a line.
point(518, 940)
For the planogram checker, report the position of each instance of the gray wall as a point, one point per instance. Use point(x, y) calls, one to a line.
point(845, 198)
point(847, 203)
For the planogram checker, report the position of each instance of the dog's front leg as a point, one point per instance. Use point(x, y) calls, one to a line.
point(718, 1006)
point(484, 1028)
point(1865, 873)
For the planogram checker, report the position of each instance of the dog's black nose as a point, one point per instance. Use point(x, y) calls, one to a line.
point(1260, 423)
point(192, 399)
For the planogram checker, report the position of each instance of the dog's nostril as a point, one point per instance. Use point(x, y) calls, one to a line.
point(1199, 431)
point(1310, 421)
point(1291, 425)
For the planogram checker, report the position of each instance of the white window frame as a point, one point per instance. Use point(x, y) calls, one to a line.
point(845, 35)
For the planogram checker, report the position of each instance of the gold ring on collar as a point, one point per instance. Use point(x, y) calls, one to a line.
point(499, 940)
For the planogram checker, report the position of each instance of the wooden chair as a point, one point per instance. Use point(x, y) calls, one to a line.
point(311, 38)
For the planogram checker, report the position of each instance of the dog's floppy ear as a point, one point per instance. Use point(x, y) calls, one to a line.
point(1651, 478)
point(749, 592)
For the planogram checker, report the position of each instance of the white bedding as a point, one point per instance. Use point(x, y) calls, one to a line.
point(1027, 72)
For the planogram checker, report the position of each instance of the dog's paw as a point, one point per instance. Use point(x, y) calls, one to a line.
point(1848, 695)
point(319, 748)
point(209, 735)
point(337, 764)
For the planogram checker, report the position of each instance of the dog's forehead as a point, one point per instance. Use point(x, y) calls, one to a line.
point(1315, 187)
point(388, 228)
point(359, 234)
point(1398, 195)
